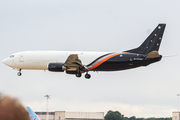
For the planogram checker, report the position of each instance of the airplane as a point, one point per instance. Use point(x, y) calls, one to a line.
point(78, 62)
point(32, 115)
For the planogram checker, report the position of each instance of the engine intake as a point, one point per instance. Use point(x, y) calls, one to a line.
point(56, 67)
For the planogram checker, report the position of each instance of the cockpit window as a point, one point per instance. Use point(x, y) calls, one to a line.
point(11, 56)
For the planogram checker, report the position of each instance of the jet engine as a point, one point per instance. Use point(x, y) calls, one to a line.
point(56, 67)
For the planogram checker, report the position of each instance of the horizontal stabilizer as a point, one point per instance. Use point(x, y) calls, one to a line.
point(153, 54)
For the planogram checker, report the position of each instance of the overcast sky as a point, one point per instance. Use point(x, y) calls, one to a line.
point(92, 25)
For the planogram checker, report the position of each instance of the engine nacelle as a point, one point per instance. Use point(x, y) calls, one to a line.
point(56, 67)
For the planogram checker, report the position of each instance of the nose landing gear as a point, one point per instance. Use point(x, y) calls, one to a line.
point(19, 73)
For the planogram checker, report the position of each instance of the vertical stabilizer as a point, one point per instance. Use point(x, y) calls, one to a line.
point(32, 115)
point(152, 42)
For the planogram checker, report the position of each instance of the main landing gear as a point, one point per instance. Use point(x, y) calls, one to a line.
point(78, 75)
point(87, 76)
point(19, 73)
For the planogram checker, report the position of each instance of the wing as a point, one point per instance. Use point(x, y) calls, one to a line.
point(74, 64)
point(73, 60)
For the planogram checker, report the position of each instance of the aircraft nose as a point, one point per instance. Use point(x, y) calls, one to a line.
point(6, 61)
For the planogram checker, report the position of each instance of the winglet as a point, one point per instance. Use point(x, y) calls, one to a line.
point(32, 115)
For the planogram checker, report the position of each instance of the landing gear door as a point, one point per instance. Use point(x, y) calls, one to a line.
point(21, 57)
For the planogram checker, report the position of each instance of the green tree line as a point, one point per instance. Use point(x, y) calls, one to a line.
point(116, 115)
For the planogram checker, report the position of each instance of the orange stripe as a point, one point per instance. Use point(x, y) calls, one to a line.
point(104, 60)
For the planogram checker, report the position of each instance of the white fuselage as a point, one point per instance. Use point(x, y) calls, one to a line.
point(39, 60)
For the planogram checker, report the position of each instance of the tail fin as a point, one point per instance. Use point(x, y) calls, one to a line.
point(152, 42)
point(32, 115)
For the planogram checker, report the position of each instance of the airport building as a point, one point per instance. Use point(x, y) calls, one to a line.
point(63, 115)
point(175, 116)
